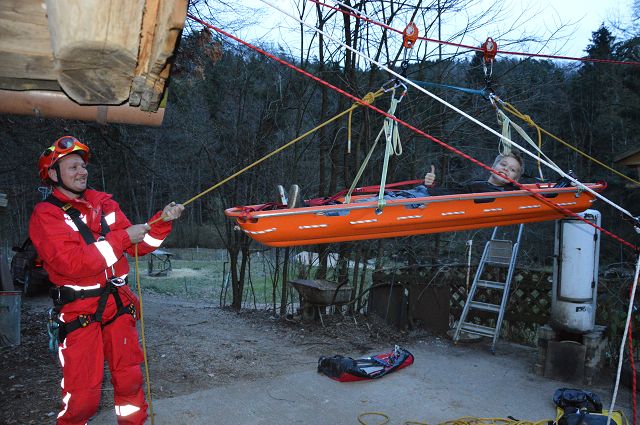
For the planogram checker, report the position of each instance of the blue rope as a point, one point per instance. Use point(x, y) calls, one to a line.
point(482, 92)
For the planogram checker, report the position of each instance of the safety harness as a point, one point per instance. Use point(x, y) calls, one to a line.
point(62, 295)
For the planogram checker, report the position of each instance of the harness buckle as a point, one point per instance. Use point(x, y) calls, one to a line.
point(56, 296)
point(117, 281)
point(85, 320)
point(132, 311)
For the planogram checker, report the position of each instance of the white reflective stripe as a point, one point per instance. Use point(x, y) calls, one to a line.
point(110, 218)
point(70, 223)
point(373, 220)
point(61, 347)
point(151, 241)
point(313, 226)
point(409, 217)
point(261, 232)
point(126, 409)
point(65, 400)
point(78, 287)
point(107, 252)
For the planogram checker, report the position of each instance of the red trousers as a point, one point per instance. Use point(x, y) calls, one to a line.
point(82, 355)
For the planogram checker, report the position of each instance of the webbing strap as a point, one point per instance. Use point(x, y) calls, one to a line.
point(506, 122)
point(84, 320)
point(393, 145)
point(87, 235)
point(392, 137)
point(84, 230)
point(526, 118)
point(505, 142)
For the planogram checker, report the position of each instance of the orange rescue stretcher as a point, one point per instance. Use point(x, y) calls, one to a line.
point(411, 216)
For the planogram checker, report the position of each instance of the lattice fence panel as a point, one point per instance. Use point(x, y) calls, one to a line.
point(529, 299)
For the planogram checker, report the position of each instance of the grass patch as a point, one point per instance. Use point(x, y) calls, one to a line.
point(203, 274)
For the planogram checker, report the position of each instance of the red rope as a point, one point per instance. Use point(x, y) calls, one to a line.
point(478, 49)
point(316, 202)
point(415, 130)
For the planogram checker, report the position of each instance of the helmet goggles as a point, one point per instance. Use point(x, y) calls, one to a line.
point(65, 145)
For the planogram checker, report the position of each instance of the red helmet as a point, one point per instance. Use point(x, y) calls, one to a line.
point(62, 147)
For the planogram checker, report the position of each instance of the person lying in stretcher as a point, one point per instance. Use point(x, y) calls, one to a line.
point(511, 165)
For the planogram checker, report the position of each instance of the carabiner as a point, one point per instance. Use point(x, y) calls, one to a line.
point(404, 90)
point(389, 85)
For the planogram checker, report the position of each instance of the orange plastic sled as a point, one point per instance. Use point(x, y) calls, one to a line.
point(412, 216)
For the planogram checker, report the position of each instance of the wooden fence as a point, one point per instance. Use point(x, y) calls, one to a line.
point(529, 299)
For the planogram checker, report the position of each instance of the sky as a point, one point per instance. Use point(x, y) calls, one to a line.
point(572, 22)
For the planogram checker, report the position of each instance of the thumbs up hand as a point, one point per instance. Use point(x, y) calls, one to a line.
point(430, 177)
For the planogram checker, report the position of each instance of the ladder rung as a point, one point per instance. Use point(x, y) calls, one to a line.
point(498, 262)
point(484, 306)
point(490, 284)
point(472, 328)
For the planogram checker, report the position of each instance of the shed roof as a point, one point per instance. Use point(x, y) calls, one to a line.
point(630, 157)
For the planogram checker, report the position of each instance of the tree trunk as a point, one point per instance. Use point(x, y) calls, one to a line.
point(285, 278)
point(274, 282)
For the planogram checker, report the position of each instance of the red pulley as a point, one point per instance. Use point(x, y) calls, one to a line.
point(489, 49)
point(410, 35)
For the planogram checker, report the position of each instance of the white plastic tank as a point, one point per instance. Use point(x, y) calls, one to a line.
point(575, 273)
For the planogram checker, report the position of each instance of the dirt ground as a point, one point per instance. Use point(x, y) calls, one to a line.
point(191, 346)
point(194, 346)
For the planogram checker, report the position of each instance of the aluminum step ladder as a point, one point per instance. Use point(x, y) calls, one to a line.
point(499, 253)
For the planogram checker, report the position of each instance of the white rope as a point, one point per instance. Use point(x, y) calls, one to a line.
point(459, 111)
point(623, 342)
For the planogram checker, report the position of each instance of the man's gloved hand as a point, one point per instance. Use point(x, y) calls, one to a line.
point(137, 231)
point(172, 211)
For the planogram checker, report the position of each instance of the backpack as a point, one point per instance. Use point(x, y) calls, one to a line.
point(579, 407)
point(575, 399)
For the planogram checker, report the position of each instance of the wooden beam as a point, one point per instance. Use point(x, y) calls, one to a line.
point(95, 47)
point(161, 28)
point(49, 104)
point(25, 43)
point(7, 83)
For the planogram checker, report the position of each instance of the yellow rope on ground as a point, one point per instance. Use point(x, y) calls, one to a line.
point(526, 118)
point(385, 418)
point(467, 420)
point(471, 420)
point(144, 344)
